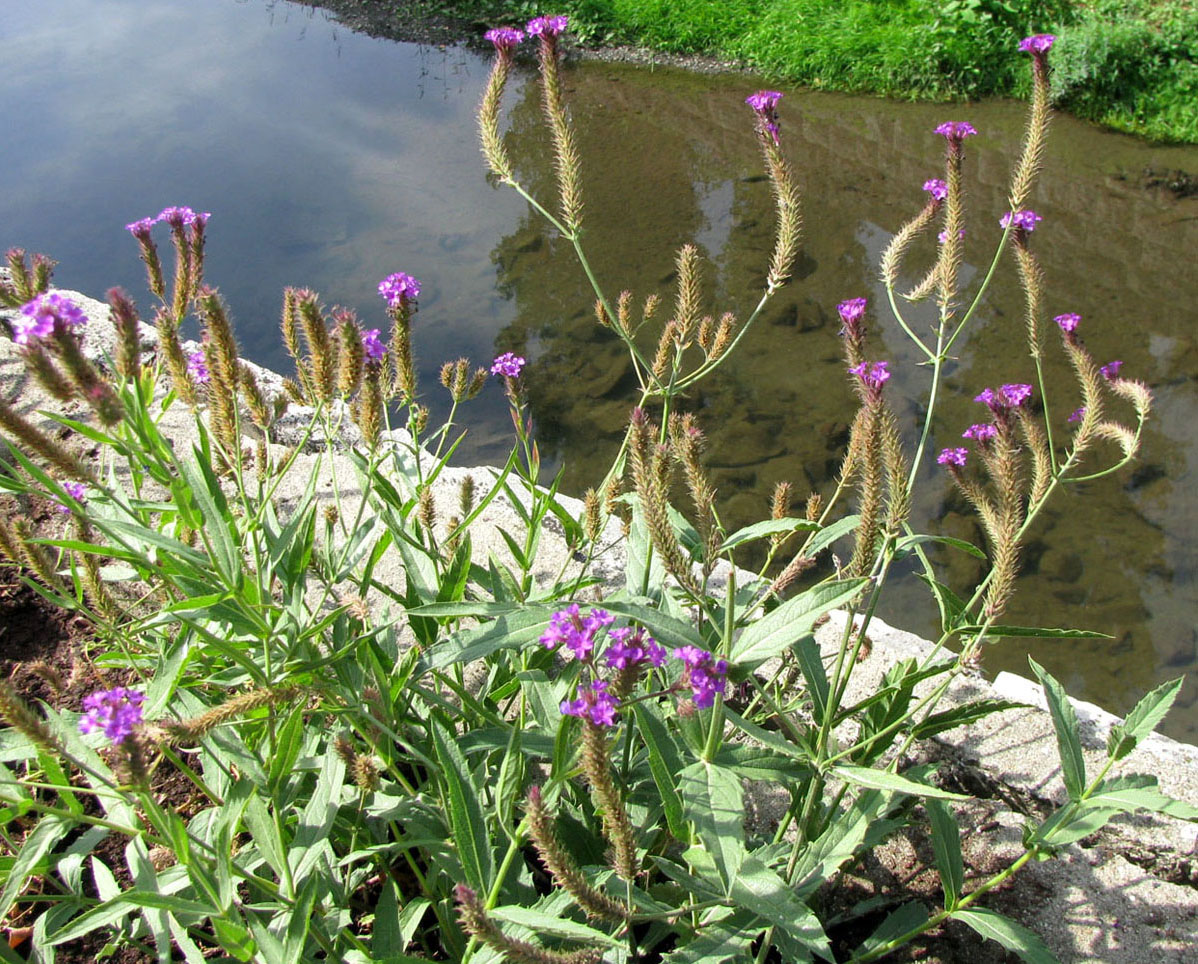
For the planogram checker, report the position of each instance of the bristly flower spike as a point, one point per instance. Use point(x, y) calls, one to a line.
point(892, 257)
point(951, 252)
point(400, 290)
point(475, 921)
point(565, 152)
point(505, 39)
point(786, 193)
point(1039, 116)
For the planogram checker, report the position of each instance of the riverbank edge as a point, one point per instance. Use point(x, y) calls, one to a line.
point(1126, 891)
point(418, 23)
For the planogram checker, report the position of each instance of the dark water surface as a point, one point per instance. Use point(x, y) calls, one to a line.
point(330, 159)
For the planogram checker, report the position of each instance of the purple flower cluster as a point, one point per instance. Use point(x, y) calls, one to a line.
point(936, 187)
point(594, 703)
point(873, 375)
point(628, 649)
point(765, 103)
point(1111, 369)
point(38, 317)
point(508, 365)
point(956, 131)
point(1006, 398)
point(1023, 220)
point(197, 367)
point(704, 674)
point(576, 633)
point(505, 39)
point(1068, 322)
point(76, 490)
point(943, 235)
point(547, 26)
point(980, 432)
point(1038, 43)
point(852, 311)
point(116, 711)
point(1077, 414)
point(953, 457)
point(399, 289)
point(372, 346)
point(176, 217)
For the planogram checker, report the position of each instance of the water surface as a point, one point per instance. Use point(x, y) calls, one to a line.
point(331, 159)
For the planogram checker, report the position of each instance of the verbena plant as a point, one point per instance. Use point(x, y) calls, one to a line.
point(476, 764)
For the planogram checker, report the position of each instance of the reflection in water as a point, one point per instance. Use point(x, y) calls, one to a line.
point(670, 158)
point(330, 160)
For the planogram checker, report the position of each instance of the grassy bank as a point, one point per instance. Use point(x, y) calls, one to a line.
point(1128, 64)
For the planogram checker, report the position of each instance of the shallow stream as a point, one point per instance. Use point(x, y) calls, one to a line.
point(330, 159)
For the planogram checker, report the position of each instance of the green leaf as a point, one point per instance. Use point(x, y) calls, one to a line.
point(299, 920)
point(909, 542)
point(218, 526)
point(1136, 791)
point(946, 843)
point(1068, 825)
point(667, 630)
point(715, 804)
point(897, 923)
point(829, 534)
point(759, 889)
point(716, 943)
point(997, 632)
point(770, 527)
point(665, 763)
point(961, 715)
point(885, 780)
point(812, 664)
point(777, 631)
point(512, 631)
point(1142, 720)
point(553, 925)
point(1014, 937)
point(467, 822)
point(1064, 721)
point(36, 845)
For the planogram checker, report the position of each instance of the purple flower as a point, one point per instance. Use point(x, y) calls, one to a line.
point(594, 703)
point(547, 26)
point(703, 673)
point(373, 347)
point(1006, 398)
point(852, 311)
point(872, 376)
point(38, 317)
point(507, 365)
point(115, 711)
point(197, 366)
point(1111, 369)
point(399, 289)
point(1026, 220)
point(77, 491)
point(505, 39)
point(1068, 322)
point(141, 229)
point(980, 431)
point(765, 103)
point(936, 187)
point(953, 457)
point(764, 100)
point(943, 235)
point(956, 130)
point(630, 649)
point(569, 628)
point(1038, 43)
point(1077, 415)
point(178, 217)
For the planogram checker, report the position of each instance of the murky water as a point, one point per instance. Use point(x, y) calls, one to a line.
point(331, 159)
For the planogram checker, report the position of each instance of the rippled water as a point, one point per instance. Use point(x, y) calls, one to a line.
point(331, 159)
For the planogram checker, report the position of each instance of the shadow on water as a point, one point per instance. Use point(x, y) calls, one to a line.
point(330, 159)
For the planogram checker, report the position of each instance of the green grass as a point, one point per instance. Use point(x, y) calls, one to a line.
point(1128, 64)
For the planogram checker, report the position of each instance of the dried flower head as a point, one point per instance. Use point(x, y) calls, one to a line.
point(116, 711)
point(508, 365)
point(399, 289)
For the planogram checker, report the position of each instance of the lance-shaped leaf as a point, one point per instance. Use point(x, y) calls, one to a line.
point(1142, 720)
point(467, 822)
point(1014, 937)
point(946, 843)
point(1064, 721)
point(715, 804)
point(776, 632)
